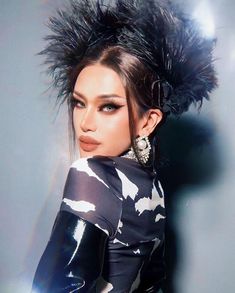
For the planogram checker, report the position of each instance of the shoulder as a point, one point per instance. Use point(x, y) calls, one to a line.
point(108, 167)
point(95, 170)
point(118, 174)
point(88, 193)
point(90, 165)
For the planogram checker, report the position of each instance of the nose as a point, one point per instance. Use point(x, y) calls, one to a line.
point(88, 122)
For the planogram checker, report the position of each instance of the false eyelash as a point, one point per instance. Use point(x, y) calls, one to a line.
point(115, 106)
point(73, 102)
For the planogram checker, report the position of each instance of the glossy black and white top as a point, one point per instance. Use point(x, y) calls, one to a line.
point(124, 200)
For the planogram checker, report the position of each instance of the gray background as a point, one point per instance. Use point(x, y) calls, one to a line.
point(35, 159)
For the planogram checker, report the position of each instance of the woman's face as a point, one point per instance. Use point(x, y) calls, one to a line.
point(100, 114)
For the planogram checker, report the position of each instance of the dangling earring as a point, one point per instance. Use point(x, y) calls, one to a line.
point(143, 148)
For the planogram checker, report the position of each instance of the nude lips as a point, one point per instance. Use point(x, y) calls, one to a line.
point(88, 144)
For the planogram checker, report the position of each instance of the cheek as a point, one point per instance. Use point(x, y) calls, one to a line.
point(116, 127)
point(110, 128)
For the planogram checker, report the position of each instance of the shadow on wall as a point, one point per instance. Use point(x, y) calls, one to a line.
point(189, 156)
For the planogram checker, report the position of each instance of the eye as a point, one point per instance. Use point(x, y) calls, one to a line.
point(109, 107)
point(77, 103)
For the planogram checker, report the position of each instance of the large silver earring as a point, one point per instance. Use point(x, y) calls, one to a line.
point(143, 148)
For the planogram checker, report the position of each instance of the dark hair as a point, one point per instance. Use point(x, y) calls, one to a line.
point(159, 52)
point(139, 82)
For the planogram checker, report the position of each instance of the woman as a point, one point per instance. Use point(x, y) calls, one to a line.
point(122, 69)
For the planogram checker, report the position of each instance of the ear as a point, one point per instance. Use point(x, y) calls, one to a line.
point(149, 121)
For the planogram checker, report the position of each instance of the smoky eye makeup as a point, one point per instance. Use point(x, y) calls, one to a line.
point(75, 102)
point(110, 107)
point(111, 104)
point(105, 103)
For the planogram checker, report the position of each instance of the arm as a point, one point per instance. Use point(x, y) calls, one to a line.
point(73, 258)
point(89, 214)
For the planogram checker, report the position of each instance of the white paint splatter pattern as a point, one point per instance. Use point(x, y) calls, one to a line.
point(82, 165)
point(149, 204)
point(79, 205)
point(128, 187)
point(139, 203)
point(159, 217)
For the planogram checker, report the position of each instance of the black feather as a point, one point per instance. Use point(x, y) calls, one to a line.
point(159, 34)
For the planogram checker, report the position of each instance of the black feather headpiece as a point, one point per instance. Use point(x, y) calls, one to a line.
point(162, 37)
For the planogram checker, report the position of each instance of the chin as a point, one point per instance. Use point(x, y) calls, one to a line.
point(84, 154)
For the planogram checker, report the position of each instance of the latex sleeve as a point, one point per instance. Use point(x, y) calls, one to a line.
point(73, 258)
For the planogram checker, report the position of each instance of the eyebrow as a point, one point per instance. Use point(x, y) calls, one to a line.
point(104, 96)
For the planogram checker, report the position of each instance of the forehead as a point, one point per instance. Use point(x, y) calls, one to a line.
point(97, 79)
